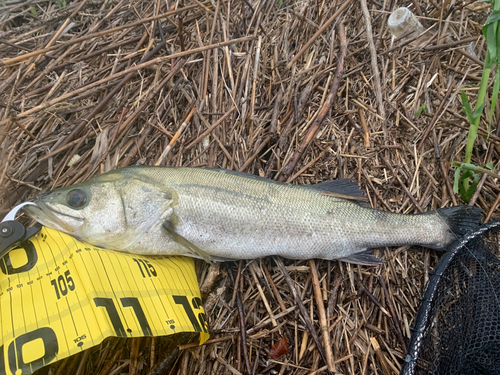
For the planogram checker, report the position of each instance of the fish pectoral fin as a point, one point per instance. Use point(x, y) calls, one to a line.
point(169, 227)
point(365, 258)
point(345, 188)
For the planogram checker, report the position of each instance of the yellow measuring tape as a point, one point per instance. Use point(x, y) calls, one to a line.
point(59, 296)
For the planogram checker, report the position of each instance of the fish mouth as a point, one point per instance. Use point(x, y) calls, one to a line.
point(49, 217)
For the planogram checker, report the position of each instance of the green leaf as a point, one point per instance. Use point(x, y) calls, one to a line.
point(469, 166)
point(463, 173)
point(478, 112)
point(457, 180)
point(489, 166)
point(466, 175)
point(494, 96)
point(467, 108)
point(494, 17)
point(491, 41)
point(467, 193)
point(484, 30)
point(422, 108)
point(476, 179)
point(463, 192)
point(474, 185)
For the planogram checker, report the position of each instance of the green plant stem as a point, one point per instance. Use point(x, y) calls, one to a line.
point(474, 126)
point(471, 167)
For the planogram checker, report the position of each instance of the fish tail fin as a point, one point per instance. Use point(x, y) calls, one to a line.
point(460, 219)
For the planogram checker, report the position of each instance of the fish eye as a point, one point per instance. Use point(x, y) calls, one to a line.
point(76, 198)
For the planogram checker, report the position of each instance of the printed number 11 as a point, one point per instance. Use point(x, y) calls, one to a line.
point(110, 307)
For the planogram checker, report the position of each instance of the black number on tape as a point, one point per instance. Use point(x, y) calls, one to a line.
point(196, 302)
point(15, 352)
point(139, 313)
point(133, 302)
point(148, 267)
point(80, 338)
point(183, 301)
point(31, 255)
point(110, 307)
point(203, 320)
point(62, 284)
point(151, 268)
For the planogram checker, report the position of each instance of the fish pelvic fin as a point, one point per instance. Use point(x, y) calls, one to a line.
point(365, 258)
point(195, 250)
point(460, 220)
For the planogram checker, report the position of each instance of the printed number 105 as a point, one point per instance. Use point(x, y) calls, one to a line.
point(62, 284)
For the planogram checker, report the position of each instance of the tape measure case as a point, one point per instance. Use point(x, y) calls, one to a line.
point(59, 296)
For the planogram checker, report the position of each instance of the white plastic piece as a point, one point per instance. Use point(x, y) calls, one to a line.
point(67, 28)
point(12, 214)
point(403, 22)
point(74, 159)
point(470, 49)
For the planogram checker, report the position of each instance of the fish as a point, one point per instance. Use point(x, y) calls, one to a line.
point(217, 215)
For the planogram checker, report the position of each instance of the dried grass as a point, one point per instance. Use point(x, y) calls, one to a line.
point(258, 87)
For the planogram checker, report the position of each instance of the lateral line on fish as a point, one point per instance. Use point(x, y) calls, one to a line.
point(344, 196)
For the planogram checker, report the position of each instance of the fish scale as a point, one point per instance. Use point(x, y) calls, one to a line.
point(220, 214)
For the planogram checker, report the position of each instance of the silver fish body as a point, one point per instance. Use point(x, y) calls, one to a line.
point(217, 214)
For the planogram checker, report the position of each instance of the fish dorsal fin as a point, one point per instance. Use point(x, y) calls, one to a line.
point(345, 188)
point(246, 175)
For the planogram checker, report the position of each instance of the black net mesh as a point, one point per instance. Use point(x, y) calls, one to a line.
point(457, 329)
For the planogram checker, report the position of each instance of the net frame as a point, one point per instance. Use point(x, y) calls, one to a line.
point(471, 246)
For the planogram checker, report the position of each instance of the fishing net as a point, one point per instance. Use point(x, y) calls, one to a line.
point(457, 328)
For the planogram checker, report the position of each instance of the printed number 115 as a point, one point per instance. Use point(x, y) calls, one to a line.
point(145, 266)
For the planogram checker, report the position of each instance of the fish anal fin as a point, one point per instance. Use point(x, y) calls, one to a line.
point(170, 228)
point(365, 258)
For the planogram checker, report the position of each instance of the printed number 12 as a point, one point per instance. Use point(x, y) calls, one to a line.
point(183, 301)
